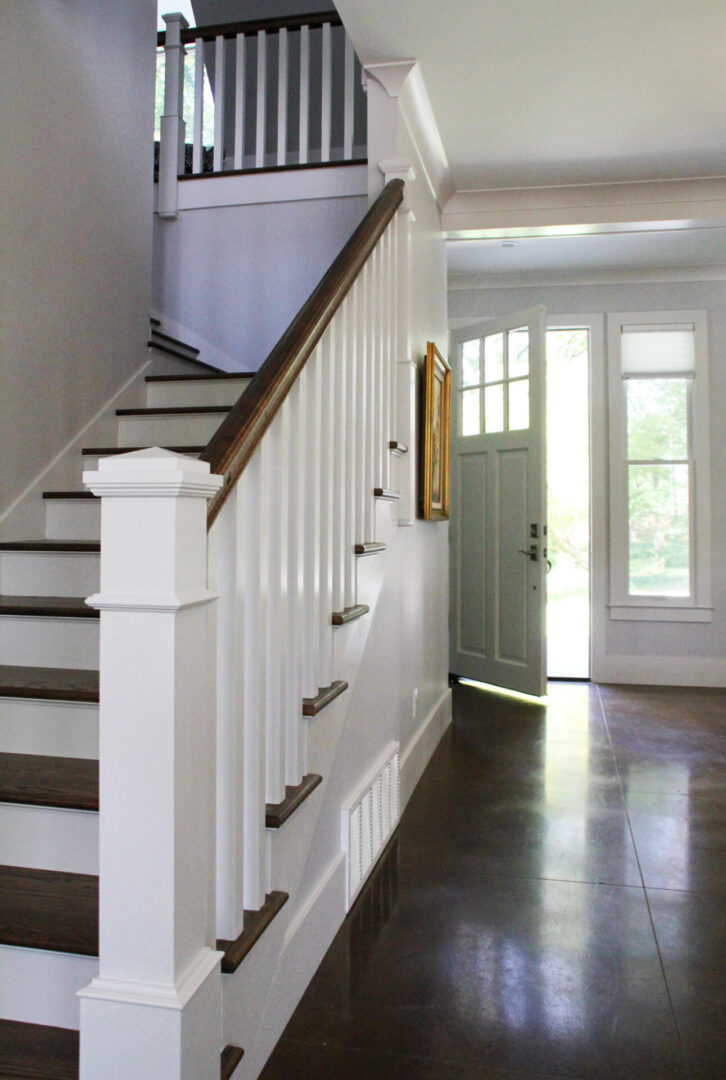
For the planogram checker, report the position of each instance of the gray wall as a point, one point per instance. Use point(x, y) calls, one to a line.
point(704, 643)
point(77, 85)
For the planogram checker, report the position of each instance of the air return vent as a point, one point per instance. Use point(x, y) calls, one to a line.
point(368, 819)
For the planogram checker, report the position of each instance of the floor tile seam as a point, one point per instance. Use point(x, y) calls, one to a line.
point(540, 877)
point(448, 1062)
point(646, 897)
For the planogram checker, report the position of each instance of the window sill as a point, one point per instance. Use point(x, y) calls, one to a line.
point(660, 613)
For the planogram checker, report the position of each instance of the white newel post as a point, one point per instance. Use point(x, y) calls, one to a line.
point(172, 130)
point(155, 1007)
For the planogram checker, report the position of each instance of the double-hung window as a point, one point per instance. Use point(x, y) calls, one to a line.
point(659, 466)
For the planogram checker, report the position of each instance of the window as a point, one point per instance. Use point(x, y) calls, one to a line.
point(495, 383)
point(659, 466)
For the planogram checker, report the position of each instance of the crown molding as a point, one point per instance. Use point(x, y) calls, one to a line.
point(554, 279)
point(584, 207)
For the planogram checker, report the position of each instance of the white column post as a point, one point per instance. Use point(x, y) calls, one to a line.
point(172, 128)
point(155, 1007)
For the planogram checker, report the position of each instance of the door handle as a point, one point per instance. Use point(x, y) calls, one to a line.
point(531, 552)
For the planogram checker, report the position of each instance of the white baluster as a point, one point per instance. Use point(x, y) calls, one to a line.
point(282, 98)
point(341, 436)
point(326, 100)
point(225, 577)
point(387, 303)
point(239, 104)
point(172, 126)
point(370, 406)
point(377, 343)
point(311, 529)
point(351, 352)
point(349, 104)
point(325, 478)
point(261, 130)
point(220, 53)
point(274, 582)
point(255, 875)
point(304, 93)
point(294, 465)
point(197, 154)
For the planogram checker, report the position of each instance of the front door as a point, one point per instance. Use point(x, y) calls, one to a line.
point(498, 502)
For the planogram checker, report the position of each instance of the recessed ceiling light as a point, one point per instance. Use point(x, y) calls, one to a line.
point(508, 243)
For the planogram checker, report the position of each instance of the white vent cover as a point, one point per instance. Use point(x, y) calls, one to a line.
point(368, 819)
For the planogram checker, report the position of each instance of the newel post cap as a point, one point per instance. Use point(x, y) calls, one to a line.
point(152, 473)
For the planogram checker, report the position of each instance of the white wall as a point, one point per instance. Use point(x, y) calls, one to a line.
point(235, 276)
point(647, 651)
point(77, 85)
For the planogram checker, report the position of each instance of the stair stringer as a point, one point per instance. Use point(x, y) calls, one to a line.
point(26, 516)
point(306, 859)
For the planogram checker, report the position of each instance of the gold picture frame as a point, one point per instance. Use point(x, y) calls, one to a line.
point(436, 419)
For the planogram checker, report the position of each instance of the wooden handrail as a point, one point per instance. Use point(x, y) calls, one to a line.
point(234, 442)
point(271, 26)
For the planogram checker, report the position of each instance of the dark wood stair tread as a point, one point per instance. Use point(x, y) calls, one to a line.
point(207, 376)
point(91, 546)
point(169, 340)
point(397, 447)
point(276, 814)
point(67, 607)
point(49, 684)
point(371, 548)
point(312, 706)
point(255, 924)
point(174, 410)
point(109, 451)
point(339, 618)
point(231, 1057)
point(69, 495)
point(37, 1052)
point(36, 780)
point(48, 909)
point(385, 493)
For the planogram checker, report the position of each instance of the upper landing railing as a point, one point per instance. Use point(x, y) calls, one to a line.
point(277, 93)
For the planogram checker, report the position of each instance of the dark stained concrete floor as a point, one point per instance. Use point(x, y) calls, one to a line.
point(554, 904)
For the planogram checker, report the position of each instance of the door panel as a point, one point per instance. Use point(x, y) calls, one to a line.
point(498, 493)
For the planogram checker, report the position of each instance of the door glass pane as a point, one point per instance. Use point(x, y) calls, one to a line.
point(494, 359)
point(518, 354)
point(494, 408)
point(470, 367)
point(659, 530)
point(471, 412)
point(657, 412)
point(519, 405)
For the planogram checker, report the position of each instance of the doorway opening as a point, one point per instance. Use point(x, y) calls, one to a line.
point(568, 502)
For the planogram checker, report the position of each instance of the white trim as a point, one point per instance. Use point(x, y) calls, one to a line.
point(402, 79)
point(164, 603)
point(545, 279)
point(421, 746)
point(658, 613)
point(661, 670)
point(72, 444)
point(336, 867)
point(299, 185)
point(157, 995)
point(468, 213)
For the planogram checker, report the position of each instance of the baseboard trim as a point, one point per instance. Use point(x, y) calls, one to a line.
point(422, 744)
point(661, 670)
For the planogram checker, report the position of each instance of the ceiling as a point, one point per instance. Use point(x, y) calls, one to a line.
point(542, 92)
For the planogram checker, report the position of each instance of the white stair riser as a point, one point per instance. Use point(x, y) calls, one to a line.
point(90, 463)
point(63, 573)
point(181, 429)
point(46, 838)
point(73, 519)
point(56, 728)
point(38, 987)
point(202, 392)
point(49, 642)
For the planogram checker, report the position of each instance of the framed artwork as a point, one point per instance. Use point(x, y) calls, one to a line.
point(437, 414)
